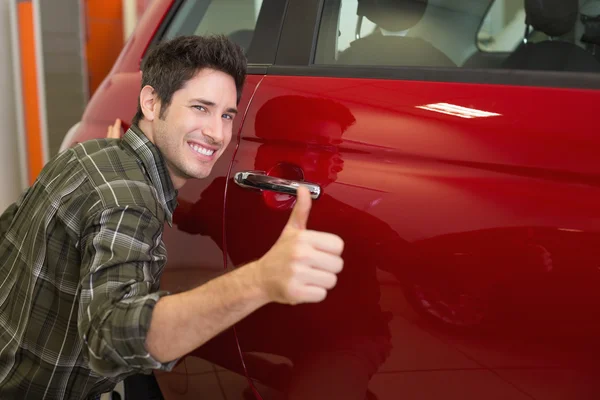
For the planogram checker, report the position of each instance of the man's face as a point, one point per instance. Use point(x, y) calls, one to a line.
point(197, 126)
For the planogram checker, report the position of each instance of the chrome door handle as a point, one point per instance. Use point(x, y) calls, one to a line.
point(260, 180)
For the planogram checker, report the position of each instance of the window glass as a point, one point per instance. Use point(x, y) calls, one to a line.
point(234, 18)
point(458, 33)
point(503, 27)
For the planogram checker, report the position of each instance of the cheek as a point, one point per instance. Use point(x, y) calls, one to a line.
point(186, 126)
point(227, 135)
point(170, 140)
point(185, 121)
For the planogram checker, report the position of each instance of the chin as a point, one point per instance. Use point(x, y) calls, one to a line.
point(201, 174)
point(195, 170)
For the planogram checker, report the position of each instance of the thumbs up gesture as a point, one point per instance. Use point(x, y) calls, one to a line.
point(303, 264)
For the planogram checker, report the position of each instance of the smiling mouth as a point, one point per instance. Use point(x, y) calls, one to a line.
point(201, 150)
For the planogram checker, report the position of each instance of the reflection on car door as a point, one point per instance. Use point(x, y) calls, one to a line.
point(296, 135)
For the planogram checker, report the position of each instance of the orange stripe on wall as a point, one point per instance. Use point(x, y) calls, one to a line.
point(35, 157)
point(104, 38)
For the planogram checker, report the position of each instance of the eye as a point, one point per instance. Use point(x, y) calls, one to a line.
point(199, 108)
point(228, 116)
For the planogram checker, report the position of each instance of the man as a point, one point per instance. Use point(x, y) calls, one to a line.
point(81, 252)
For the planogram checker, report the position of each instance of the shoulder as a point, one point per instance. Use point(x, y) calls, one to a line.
point(117, 175)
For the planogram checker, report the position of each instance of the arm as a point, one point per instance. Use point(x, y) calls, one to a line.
point(185, 321)
point(300, 268)
point(122, 258)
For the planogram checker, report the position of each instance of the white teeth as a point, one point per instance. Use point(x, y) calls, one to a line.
point(202, 150)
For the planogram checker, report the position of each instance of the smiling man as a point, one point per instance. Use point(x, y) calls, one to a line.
point(81, 252)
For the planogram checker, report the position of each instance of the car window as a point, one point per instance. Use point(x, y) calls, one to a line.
point(503, 27)
point(234, 18)
point(456, 33)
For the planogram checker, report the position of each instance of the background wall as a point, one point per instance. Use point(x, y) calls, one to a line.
point(81, 41)
point(64, 72)
point(66, 49)
point(103, 38)
point(10, 186)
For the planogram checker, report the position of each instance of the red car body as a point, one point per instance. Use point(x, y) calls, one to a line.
point(469, 202)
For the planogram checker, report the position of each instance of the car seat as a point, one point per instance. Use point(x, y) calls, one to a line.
point(590, 18)
point(554, 18)
point(386, 46)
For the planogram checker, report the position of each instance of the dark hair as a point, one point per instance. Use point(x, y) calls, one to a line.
point(171, 64)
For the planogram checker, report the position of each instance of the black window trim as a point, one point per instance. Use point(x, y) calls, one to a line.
point(297, 46)
point(297, 42)
point(269, 32)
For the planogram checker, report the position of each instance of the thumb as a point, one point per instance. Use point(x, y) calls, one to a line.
point(301, 211)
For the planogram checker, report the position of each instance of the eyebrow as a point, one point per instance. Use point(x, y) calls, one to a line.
point(212, 104)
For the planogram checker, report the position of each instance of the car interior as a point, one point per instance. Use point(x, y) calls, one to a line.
point(557, 35)
point(554, 18)
point(552, 35)
point(201, 17)
point(390, 44)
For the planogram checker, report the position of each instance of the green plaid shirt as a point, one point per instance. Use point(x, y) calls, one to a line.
point(81, 255)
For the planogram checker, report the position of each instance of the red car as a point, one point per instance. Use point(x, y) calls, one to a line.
point(454, 147)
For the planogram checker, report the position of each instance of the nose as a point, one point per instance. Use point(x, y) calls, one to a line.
point(213, 130)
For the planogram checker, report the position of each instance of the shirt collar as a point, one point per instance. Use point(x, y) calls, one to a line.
point(156, 169)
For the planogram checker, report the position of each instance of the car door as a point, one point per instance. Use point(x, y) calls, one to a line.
point(467, 198)
point(194, 242)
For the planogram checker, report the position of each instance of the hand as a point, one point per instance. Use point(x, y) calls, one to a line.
point(302, 265)
point(114, 131)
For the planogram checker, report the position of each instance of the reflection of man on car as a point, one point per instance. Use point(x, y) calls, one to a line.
point(341, 343)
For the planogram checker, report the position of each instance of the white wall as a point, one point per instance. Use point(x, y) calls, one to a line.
point(9, 155)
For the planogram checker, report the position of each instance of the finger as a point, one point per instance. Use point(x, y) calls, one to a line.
point(310, 294)
point(324, 241)
point(117, 129)
point(326, 262)
point(301, 211)
point(114, 130)
point(318, 278)
point(320, 260)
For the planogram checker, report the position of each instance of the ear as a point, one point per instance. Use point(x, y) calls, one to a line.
point(149, 103)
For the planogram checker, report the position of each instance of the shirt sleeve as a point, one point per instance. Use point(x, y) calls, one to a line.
point(122, 256)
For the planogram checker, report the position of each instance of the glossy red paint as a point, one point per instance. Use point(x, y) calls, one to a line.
point(463, 236)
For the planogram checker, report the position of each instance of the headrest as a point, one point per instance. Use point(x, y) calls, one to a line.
point(553, 17)
point(392, 15)
point(590, 18)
